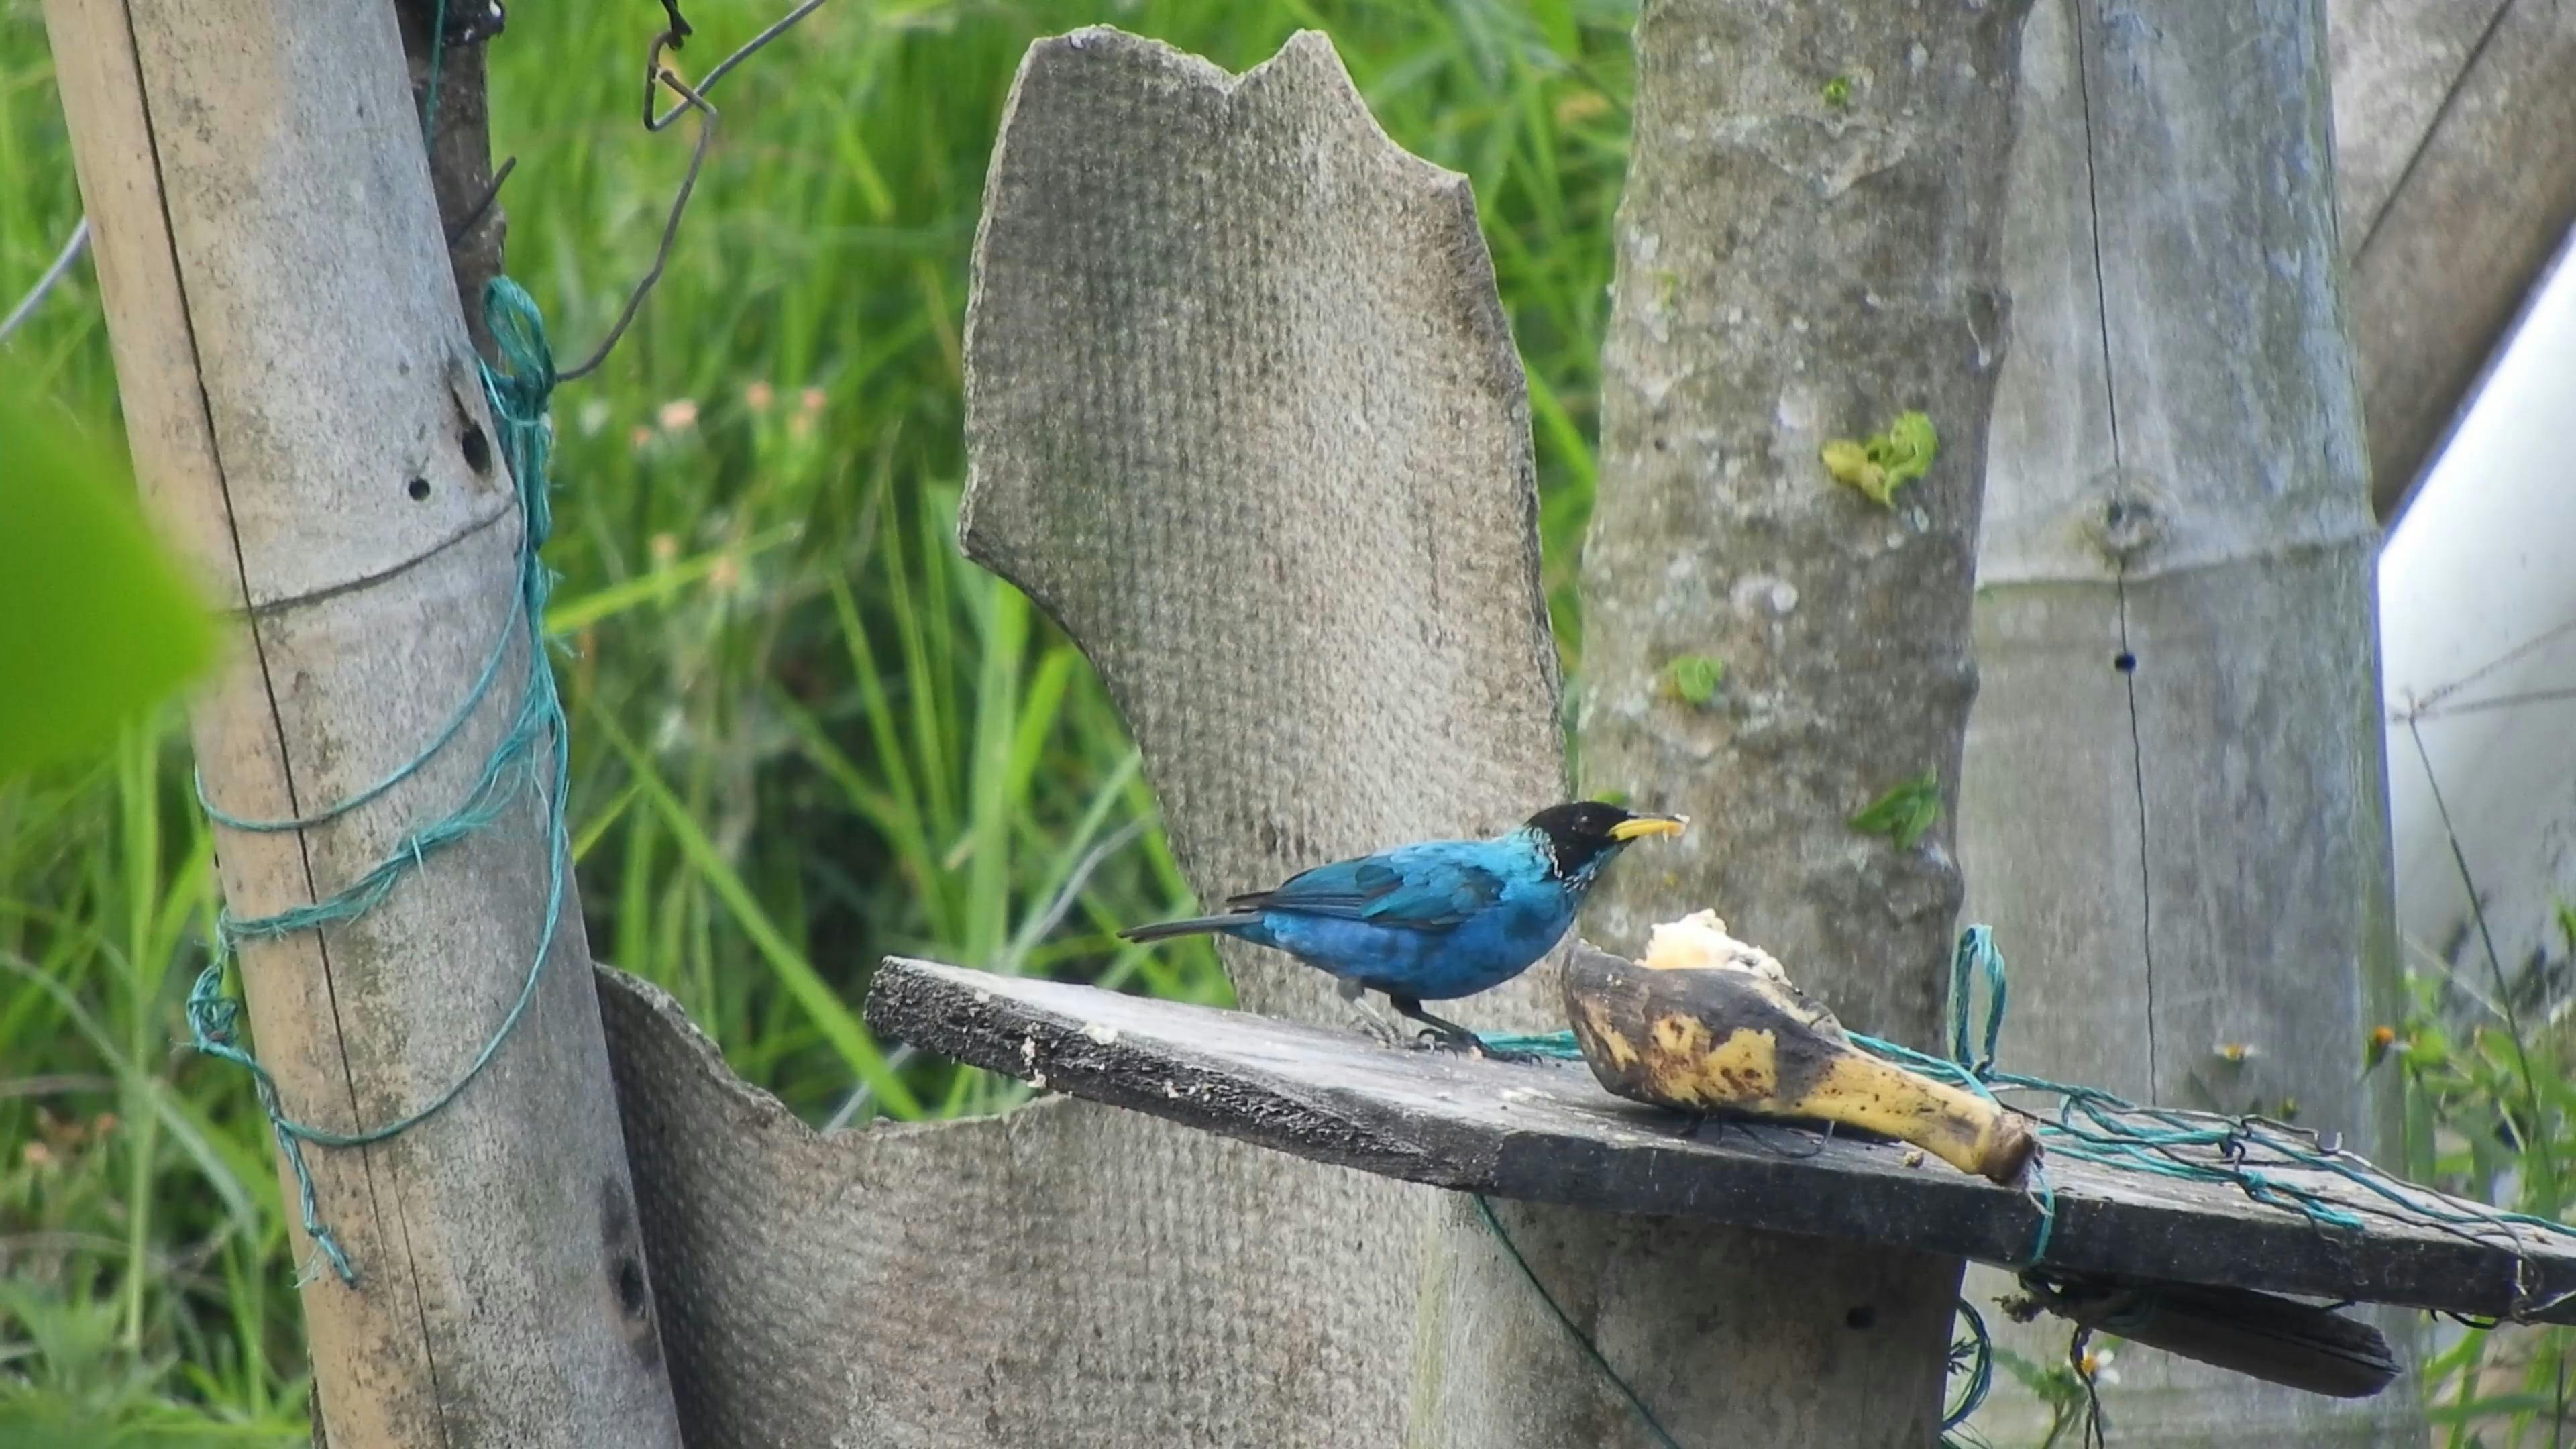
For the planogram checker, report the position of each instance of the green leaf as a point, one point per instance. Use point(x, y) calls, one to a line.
point(1909, 447)
point(1904, 812)
point(1886, 461)
point(1695, 677)
point(104, 624)
point(1838, 92)
point(1846, 460)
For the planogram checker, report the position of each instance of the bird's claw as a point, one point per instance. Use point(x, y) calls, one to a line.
point(1375, 1026)
point(1435, 1040)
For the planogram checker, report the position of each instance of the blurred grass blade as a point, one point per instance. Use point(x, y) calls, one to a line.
point(839, 1025)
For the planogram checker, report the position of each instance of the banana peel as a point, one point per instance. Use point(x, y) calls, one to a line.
point(1706, 1023)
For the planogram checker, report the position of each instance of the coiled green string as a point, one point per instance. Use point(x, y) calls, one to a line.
point(533, 753)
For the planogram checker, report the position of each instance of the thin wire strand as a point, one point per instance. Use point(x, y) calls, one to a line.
point(656, 73)
point(492, 193)
point(2492, 702)
point(2427, 705)
point(2535, 1131)
point(54, 274)
point(717, 73)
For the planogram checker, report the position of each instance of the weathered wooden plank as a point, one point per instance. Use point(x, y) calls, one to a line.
point(1546, 1132)
point(2456, 136)
point(2396, 64)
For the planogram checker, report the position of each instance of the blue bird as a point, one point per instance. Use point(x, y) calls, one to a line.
point(1439, 919)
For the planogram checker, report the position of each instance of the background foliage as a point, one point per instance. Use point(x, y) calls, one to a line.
point(806, 732)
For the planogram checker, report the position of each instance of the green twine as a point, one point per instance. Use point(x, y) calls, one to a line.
point(1556, 1044)
point(1976, 958)
point(1582, 1340)
point(1976, 1354)
point(518, 392)
point(429, 102)
point(2091, 1125)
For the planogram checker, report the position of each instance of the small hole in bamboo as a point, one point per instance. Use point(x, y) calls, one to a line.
point(478, 449)
point(630, 1287)
point(418, 488)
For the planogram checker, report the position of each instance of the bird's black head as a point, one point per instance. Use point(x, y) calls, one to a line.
point(1581, 836)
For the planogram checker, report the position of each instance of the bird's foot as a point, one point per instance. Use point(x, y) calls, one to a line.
point(1376, 1025)
point(1466, 1043)
point(1689, 1131)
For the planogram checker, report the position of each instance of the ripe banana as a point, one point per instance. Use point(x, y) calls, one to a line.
point(1706, 1023)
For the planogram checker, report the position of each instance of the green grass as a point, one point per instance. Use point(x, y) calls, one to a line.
point(806, 732)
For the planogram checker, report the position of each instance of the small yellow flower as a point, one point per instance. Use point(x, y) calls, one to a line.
point(1580, 106)
point(39, 1155)
point(664, 548)
point(811, 400)
point(678, 415)
point(2381, 1039)
point(725, 574)
point(758, 396)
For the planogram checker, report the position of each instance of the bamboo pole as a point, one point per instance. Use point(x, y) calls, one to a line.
point(308, 422)
point(2173, 810)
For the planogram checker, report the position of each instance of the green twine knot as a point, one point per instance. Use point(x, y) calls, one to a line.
point(519, 390)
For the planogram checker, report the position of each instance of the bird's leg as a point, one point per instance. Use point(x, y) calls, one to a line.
point(1689, 1131)
point(1372, 1022)
point(1449, 1033)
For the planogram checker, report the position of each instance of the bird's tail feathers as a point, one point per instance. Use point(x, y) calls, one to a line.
point(1195, 926)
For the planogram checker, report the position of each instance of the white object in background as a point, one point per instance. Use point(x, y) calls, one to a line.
point(2477, 610)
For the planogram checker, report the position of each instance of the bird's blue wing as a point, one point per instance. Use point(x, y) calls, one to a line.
point(1425, 887)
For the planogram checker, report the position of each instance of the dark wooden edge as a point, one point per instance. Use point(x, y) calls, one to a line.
point(1546, 1132)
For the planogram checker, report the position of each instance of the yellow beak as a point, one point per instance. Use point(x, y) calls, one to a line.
point(1637, 825)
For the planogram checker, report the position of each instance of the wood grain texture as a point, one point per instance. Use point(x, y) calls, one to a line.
point(2455, 134)
point(1546, 1132)
point(290, 360)
point(2396, 64)
point(1793, 270)
point(2189, 854)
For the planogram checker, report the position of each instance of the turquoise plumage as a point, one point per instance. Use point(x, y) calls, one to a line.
point(1439, 919)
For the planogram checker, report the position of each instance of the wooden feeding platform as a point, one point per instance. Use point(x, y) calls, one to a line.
point(1546, 1132)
